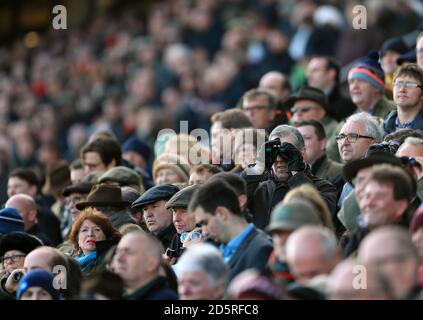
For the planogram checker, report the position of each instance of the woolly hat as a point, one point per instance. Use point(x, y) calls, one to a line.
point(20, 241)
point(172, 162)
point(38, 278)
point(395, 44)
point(369, 69)
point(10, 220)
point(138, 146)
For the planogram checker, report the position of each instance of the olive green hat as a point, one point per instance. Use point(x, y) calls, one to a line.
point(292, 215)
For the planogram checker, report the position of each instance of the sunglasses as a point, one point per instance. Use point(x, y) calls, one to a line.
point(193, 235)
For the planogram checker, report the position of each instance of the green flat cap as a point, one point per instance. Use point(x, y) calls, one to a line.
point(182, 198)
point(292, 215)
point(121, 175)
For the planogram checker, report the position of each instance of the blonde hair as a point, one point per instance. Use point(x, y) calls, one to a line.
point(310, 194)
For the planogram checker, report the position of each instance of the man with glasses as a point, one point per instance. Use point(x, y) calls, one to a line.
point(14, 247)
point(357, 134)
point(260, 108)
point(408, 96)
point(311, 104)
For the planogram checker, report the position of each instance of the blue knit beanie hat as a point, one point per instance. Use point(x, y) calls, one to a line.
point(10, 221)
point(38, 278)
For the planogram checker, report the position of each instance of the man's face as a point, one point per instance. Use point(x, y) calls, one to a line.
point(279, 242)
point(72, 200)
point(211, 225)
point(315, 148)
point(378, 206)
point(195, 286)
point(389, 61)
point(317, 75)
point(349, 150)
point(308, 110)
point(183, 220)
point(29, 216)
point(16, 185)
point(419, 52)
point(135, 158)
point(93, 163)
point(399, 268)
point(156, 216)
point(361, 91)
point(280, 167)
point(275, 85)
point(77, 175)
point(36, 293)
point(129, 261)
point(360, 182)
point(13, 259)
point(307, 265)
point(407, 98)
point(258, 111)
point(410, 150)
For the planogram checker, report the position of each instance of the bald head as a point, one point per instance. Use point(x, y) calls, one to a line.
point(351, 280)
point(277, 84)
point(391, 249)
point(43, 258)
point(26, 207)
point(311, 251)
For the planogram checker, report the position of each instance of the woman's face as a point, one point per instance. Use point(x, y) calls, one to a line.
point(88, 235)
point(167, 176)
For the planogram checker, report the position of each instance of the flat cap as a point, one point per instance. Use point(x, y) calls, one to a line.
point(160, 192)
point(182, 198)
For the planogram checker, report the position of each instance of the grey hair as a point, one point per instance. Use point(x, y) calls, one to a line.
point(371, 124)
point(204, 258)
point(284, 131)
point(322, 235)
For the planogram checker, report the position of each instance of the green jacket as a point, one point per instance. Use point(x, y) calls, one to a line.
point(350, 209)
point(325, 168)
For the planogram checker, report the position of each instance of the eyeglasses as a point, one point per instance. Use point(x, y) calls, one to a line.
point(351, 137)
point(302, 110)
point(12, 259)
point(193, 235)
point(407, 84)
point(255, 108)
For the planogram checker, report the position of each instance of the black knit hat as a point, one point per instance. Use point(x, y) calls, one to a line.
point(395, 44)
point(20, 241)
